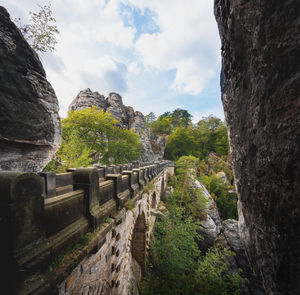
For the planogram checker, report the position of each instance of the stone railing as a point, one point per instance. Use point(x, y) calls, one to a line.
point(43, 215)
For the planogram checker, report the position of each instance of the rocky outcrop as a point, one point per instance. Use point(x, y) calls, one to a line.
point(29, 122)
point(230, 239)
point(260, 93)
point(86, 99)
point(159, 143)
point(211, 226)
point(128, 119)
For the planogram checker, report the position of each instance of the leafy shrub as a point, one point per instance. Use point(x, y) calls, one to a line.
point(222, 194)
point(176, 266)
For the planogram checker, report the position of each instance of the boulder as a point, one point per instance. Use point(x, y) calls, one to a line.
point(260, 83)
point(30, 130)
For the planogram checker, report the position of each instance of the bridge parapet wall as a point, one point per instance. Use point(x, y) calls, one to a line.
point(43, 216)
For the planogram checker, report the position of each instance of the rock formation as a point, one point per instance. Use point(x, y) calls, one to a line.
point(230, 238)
point(152, 146)
point(260, 84)
point(29, 122)
point(211, 226)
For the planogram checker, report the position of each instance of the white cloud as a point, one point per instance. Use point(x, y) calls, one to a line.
point(217, 112)
point(187, 42)
point(97, 49)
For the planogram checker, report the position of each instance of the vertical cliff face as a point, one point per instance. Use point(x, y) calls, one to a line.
point(29, 122)
point(260, 93)
point(128, 119)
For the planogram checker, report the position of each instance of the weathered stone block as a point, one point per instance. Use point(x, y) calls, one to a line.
point(49, 184)
point(88, 180)
point(63, 210)
point(22, 207)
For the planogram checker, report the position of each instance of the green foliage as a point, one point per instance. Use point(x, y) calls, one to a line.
point(41, 33)
point(174, 256)
point(162, 126)
point(208, 135)
point(58, 261)
point(176, 266)
point(72, 153)
point(222, 194)
point(181, 142)
point(168, 121)
point(191, 201)
point(91, 135)
point(213, 276)
point(178, 118)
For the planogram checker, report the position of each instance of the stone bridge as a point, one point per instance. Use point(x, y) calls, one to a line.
point(82, 232)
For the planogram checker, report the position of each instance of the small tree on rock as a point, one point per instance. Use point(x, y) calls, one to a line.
point(42, 31)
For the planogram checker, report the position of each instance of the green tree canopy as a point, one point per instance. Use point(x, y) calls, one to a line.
point(178, 118)
point(181, 143)
point(162, 125)
point(91, 135)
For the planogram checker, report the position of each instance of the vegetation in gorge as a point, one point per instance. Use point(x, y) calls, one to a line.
point(216, 175)
point(176, 265)
point(190, 200)
point(206, 141)
point(91, 135)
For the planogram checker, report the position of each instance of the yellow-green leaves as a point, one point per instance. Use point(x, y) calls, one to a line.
point(90, 136)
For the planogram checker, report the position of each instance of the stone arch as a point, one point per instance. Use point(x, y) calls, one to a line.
point(138, 242)
point(153, 202)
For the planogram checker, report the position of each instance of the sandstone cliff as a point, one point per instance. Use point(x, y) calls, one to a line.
point(29, 122)
point(260, 84)
point(153, 147)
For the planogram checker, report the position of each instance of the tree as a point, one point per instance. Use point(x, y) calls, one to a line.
point(210, 135)
point(42, 31)
point(178, 118)
point(162, 125)
point(174, 254)
point(72, 153)
point(221, 145)
point(150, 118)
point(181, 143)
point(92, 131)
point(181, 118)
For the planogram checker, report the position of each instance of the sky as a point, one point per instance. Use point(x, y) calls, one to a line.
point(159, 55)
